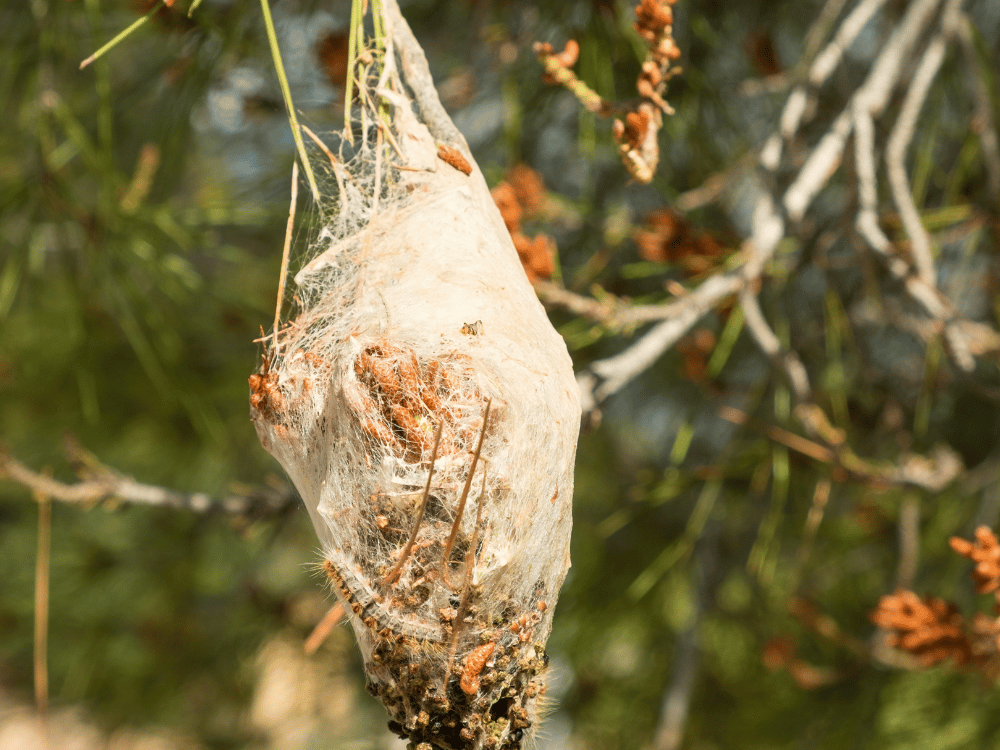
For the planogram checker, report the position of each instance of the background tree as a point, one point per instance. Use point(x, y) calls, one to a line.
point(788, 337)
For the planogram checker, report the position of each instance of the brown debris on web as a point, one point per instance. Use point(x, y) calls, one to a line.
point(265, 395)
point(437, 650)
point(398, 401)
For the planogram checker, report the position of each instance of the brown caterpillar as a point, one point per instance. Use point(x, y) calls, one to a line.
point(370, 608)
point(474, 664)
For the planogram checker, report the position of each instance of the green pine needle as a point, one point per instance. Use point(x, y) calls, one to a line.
point(286, 92)
point(103, 50)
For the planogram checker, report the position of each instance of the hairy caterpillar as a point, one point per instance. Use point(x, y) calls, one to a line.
point(370, 608)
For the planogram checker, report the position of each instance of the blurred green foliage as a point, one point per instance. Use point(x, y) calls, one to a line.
point(139, 249)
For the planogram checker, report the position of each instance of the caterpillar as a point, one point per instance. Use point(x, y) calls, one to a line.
point(370, 608)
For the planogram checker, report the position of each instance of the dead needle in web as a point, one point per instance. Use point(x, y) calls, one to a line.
point(285, 252)
point(337, 166)
point(393, 574)
point(378, 173)
point(323, 629)
point(465, 495)
point(470, 558)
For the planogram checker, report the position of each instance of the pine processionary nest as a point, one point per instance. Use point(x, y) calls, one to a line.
point(426, 411)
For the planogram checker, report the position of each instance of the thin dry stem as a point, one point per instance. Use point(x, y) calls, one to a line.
point(821, 496)
point(786, 361)
point(323, 628)
point(393, 574)
point(41, 636)
point(285, 253)
point(909, 540)
point(100, 482)
point(465, 495)
point(463, 603)
point(338, 168)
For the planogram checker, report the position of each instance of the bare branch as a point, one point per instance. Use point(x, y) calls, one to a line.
point(872, 97)
point(608, 376)
point(553, 295)
point(827, 61)
point(617, 371)
point(898, 144)
point(921, 285)
point(799, 100)
point(99, 482)
point(676, 704)
point(787, 362)
point(714, 185)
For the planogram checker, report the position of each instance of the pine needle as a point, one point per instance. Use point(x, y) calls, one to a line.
point(286, 93)
point(135, 25)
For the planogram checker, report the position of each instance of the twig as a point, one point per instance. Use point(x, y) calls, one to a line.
point(864, 166)
point(606, 377)
point(714, 185)
point(285, 253)
point(799, 99)
point(920, 285)
point(872, 96)
point(615, 372)
point(896, 148)
point(323, 628)
point(338, 169)
point(926, 295)
point(676, 703)
point(821, 496)
point(41, 665)
point(102, 483)
point(781, 436)
point(909, 541)
point(827, 61)
point(787, 362)
point(464, 497)
point(933, 472)
point(463, 601)
point(393, 574)
point(554, 295)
